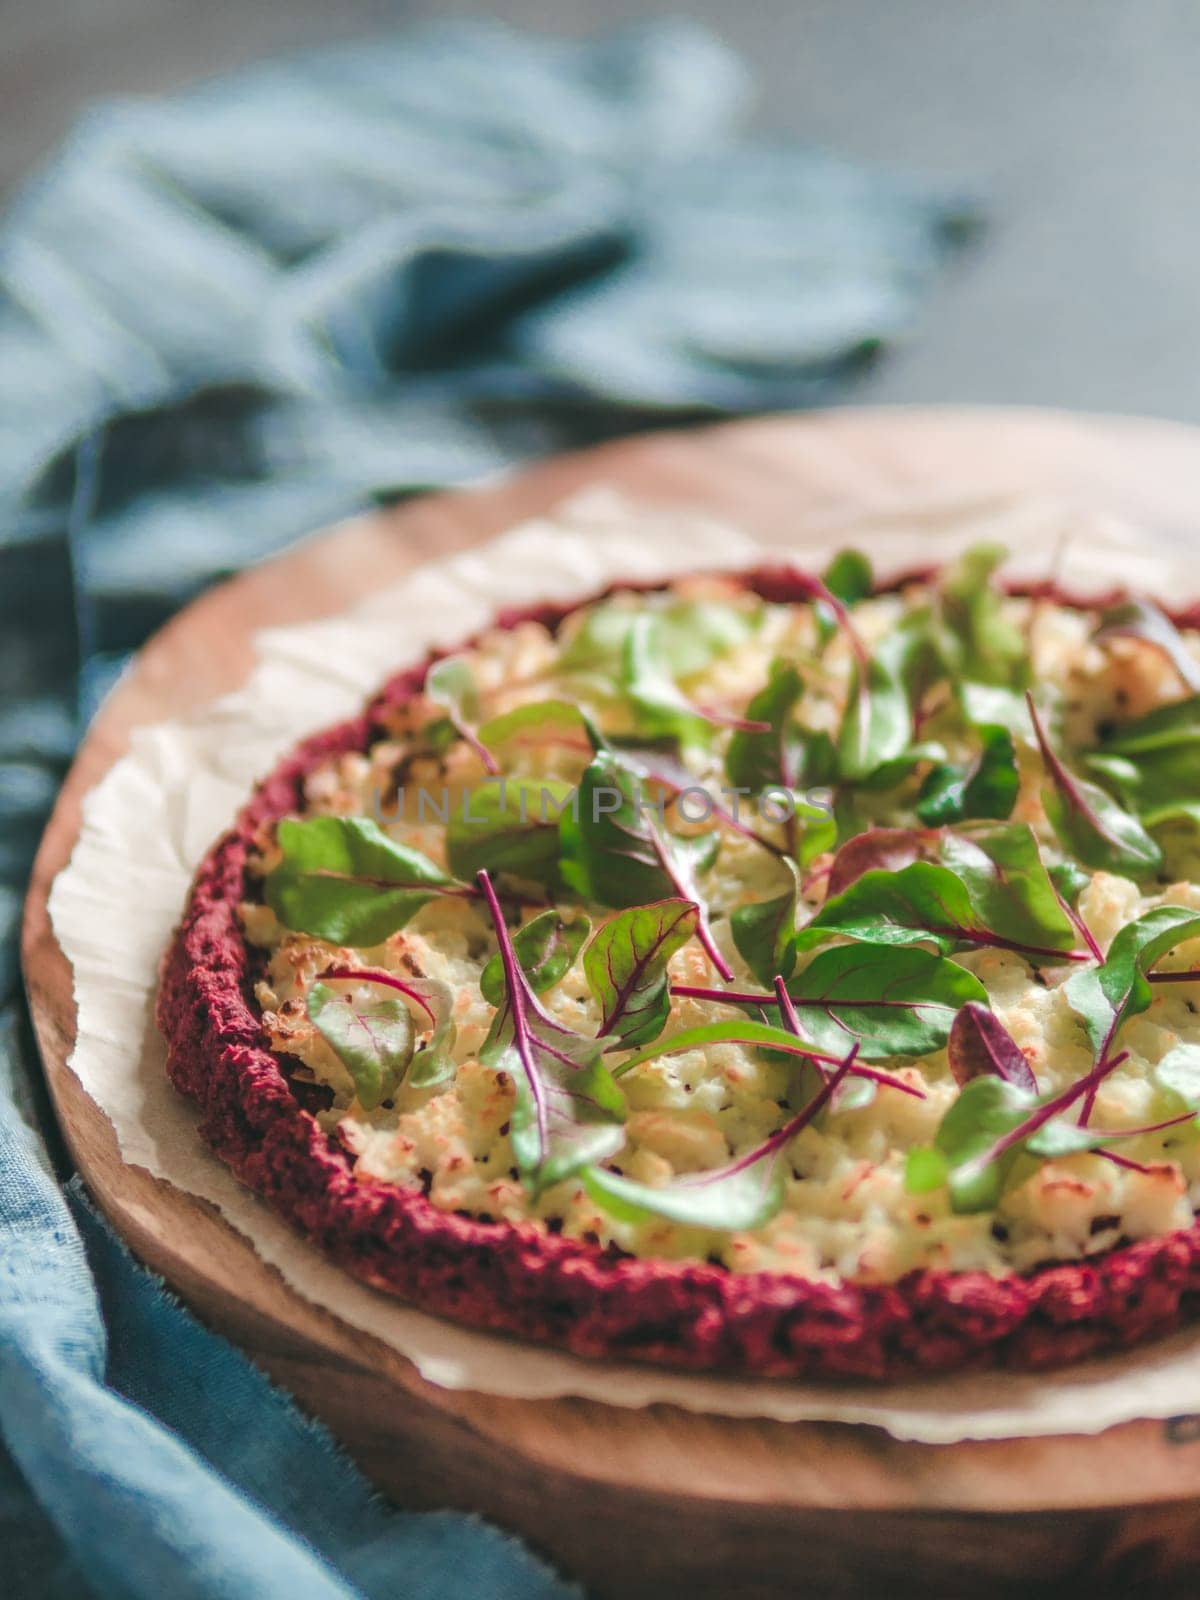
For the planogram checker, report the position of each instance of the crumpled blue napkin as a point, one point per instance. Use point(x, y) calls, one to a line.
point(224, 320)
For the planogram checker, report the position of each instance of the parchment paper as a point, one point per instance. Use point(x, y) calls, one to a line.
point(151, 819)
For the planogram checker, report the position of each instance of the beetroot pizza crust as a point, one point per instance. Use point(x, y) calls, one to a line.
point(540, 1286)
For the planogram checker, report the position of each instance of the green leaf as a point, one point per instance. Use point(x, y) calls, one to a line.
point(993, 890)
point(771, 759)
point(737, 1196)
point(765, 933)
point(433, 1066)
point(568, 1110)
point(546, 947)
point(343, 879)
point(1142, 619)
point(1153, 762)
point(374, 1039)
point(510, 826)
point(888, 1001)
point(661, 707)
point(849, 578)
point(977, 640)
point(985, 1110)
point(985, 787)
point(1088, 822)
point(541, 722)
point(612, 852)
point(626, 968)
point(450, 683)
point(876, 725)
point(1105, 997)
point(1070, 880)
point(692, 634)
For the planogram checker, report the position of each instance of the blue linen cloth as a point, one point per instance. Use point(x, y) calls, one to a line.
point(224, 320)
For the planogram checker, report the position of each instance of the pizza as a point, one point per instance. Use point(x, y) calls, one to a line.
point(761, 972)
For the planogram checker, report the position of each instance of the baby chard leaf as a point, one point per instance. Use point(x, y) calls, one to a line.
point(343, 879)
point(546, 947)
point(431, 1066)
point(1142, 619)
point(765, 932)
point(1089, 823)
point(772, 756)
point(450, 684)
point(985, 787)
point(508, 826)
point(981, 1046)
point(876, 724)
point(568, 1111)
point(890, 1002)
point(978, 641)
point(626, 968)
point(374, 1038)
point(745, 1193)
point(541, 722)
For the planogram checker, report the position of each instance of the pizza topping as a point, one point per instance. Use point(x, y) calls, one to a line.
point(881, 887)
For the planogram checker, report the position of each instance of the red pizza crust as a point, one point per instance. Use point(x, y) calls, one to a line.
point(558, 1291)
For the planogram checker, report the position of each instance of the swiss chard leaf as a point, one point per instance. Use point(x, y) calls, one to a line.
point(1153, 763)
point(432, 1065)
point(877, 722)
point(374, 1038)
point(981, 1046)
point(771, 757)
point(450, 684)
point(878, 850)
point(1105, 997)
point(626, 968)
point(546, 947)
point(1142, 619)
point(984, 787)
point(615, 854)
point(848, 578)
point(1089, 823)
point(661, 707)
point(744, 1193)
point(541, 722)
point(990, 891)
point(512, 827)
point(888, 1001)
point(978, 641)
point(568, 1110)
point(691, 633)
point(343, 879)
point(764, 933)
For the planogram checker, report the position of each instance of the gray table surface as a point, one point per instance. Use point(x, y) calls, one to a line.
point(1078, 118)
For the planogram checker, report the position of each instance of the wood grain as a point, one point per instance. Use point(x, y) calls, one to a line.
point(657, 1501)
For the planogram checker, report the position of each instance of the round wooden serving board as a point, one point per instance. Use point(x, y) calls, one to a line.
point(658, 1501)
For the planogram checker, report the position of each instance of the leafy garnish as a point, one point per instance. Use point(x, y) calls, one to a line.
point(626, 968)
point(989, 1125)
point(877, 724)
point(450, 683)
point(990, 891)
point(431, 1066)
point(744, 1193)
point(764, 933)
point(1089, 823)
point(546, 947)
point(614, 853)
point(691, 633)
point(568, 1110)
point(981, 1046)
point(878, 850)
point(343, 879)
point(1105, 997)
point(1153, 762)
point(374, 1039)
point(891, 1002)
point(541, 722)
point(765, 1035)
point(1142, 619)
point(979, 643)
point(661, 707)
point(772, 756)
point(984, 787)
point(510, 826)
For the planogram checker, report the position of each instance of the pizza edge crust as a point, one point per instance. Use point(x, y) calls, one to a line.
point(552, 1290)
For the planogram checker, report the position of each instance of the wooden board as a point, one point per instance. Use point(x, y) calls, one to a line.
point(657, 1501)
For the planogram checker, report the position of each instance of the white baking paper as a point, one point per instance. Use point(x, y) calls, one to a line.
point(147, 824)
